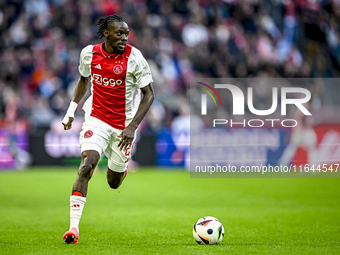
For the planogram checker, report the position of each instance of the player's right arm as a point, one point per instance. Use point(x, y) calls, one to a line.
point(78, 94)
point(82, 85)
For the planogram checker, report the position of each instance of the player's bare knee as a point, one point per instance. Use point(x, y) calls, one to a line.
point(114, 184)
point(85, 171)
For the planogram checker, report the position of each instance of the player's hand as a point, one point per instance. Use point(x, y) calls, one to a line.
point(67, 122)
point(127, 137)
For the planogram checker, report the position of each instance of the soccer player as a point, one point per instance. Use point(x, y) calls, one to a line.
point(118, 72)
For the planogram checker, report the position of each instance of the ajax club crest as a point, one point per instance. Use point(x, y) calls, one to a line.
point(88, 133)
point(118, 69)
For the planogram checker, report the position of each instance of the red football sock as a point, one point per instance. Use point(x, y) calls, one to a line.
point(76, 193)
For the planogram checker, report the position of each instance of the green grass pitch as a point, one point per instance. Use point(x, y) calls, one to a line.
point(153, 212)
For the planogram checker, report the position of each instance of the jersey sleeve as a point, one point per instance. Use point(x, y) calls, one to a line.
point(142, 71)
point(85, 61)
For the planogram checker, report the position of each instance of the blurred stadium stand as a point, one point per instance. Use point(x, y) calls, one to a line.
point(40, 43)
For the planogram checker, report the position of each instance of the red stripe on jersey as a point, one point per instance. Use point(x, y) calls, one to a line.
point(108, 73)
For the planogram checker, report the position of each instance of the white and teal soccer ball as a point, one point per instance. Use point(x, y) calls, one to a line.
point(208, 230)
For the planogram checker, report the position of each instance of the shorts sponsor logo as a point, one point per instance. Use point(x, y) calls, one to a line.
point(88, 134)
point(128, 152)
point(97, 78)
point(117, 69)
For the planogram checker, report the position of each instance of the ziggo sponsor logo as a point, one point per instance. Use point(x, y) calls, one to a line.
point(105, 81)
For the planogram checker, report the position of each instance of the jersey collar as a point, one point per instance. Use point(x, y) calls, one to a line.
point(107, 55)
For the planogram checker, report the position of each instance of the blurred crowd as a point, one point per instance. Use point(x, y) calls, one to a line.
point(40, 43)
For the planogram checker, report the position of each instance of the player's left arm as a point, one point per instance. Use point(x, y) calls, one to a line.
point(128, 133)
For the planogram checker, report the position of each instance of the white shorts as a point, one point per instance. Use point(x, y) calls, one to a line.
point(99, 136)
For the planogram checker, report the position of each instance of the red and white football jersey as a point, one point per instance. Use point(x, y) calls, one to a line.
point(115, 82)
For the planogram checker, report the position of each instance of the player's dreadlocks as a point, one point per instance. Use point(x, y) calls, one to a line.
point(104, 22)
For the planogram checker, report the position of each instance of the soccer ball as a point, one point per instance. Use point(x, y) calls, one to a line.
point(208, 230)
